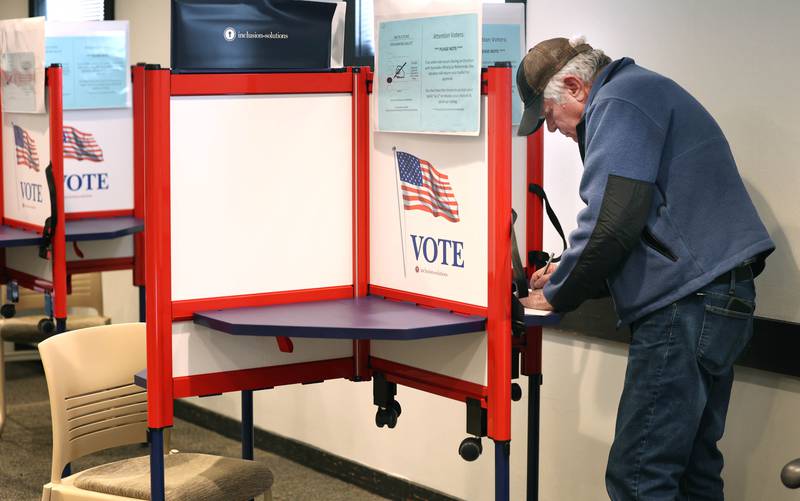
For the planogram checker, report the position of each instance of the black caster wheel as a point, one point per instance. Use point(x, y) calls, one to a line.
point(396, 408)
point(386, 417)
point(8, 310)
point(46, 326)
point(470, 448)
point(516, 392)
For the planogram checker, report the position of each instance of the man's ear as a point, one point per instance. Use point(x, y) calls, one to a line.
point(576, 88)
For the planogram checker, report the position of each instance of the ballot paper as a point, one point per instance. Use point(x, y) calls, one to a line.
point(538, 313)
point(535, 312)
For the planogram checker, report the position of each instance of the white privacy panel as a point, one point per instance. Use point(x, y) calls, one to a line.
point(261, 194)
point(200, 350)
point(26, 154)
point(413, 249)
point(463, 357)
point(519, 189)
point(98, 160)
point(27, 260)
point(102, 249)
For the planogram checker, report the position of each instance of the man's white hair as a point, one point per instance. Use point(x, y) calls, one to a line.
point(584, 66)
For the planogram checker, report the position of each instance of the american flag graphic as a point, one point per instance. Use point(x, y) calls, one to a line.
point(26, 149)
point(425, 188)
point(80, 145)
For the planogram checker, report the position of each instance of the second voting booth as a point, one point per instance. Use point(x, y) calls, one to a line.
point(72, 187)
point(279, 257)
point(48, 235)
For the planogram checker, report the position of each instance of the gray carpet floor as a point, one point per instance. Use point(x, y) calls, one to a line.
point(26, 443)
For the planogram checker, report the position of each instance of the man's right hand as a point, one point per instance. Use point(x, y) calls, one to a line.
point(541, 276)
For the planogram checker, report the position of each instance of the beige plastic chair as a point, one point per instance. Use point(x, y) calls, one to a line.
point(95, 405)
point(85, 308)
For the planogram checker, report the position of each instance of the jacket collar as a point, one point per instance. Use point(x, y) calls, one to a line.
point(601, 79)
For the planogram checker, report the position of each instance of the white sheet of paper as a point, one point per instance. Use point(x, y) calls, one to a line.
point(538, 313)
point(22, 64)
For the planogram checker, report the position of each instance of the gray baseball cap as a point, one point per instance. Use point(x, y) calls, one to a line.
point(543, 61)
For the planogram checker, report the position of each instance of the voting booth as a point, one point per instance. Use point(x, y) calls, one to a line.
point(47, 235)
point(70, 184)
point(277, 257)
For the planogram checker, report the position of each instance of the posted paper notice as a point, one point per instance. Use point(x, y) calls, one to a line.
point(501, 43)
point(429, 75)
point(95, 69)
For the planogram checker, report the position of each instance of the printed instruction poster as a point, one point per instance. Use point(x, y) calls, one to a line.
point(94, 57)
point(22, 65)
point(428, 74)
point(504, 41)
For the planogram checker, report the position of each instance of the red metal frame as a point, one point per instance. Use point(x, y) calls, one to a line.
point(137, 85)
point(260, 83)
point(429, 301)
point(54, 78)
point(105, 264)
point(23, 225)
point(260, 378)
point(29, 281)
point(361, 153)
point(184, 309)
point(498, 323)
point(159, 266)
point(162, 311)
point(75, 216)
point(531, 349)
point(160, 85)
point(430, 382)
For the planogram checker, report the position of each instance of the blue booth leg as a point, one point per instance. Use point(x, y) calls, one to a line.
point(534, 393)
point(157, 464)
point(502, 452)
point(61, 325)
point(247, 424)
point(142, 305)
point(67, 471)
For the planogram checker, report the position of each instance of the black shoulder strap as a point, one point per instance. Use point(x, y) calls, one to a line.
point(536, 257)
point(50, 222)
point(520, 279)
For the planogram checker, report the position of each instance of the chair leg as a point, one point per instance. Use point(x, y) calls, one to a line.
point(2, 386)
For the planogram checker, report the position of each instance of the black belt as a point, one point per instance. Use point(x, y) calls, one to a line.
point(741, 273)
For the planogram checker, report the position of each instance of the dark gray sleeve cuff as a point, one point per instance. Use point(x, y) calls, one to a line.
point(623, 214)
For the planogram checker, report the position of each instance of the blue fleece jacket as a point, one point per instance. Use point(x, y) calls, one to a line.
point(649, 147)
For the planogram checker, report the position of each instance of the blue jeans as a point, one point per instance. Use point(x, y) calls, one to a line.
point(675, 399)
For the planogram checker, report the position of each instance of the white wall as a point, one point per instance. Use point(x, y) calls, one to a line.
point(149, 29)
point(583, 376)
point(13, 9)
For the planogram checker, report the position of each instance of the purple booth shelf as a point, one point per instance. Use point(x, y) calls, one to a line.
point(361, 318)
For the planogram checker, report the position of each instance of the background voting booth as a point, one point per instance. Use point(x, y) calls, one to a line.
point(91, 201)
point(317, 270)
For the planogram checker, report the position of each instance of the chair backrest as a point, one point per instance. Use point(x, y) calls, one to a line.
point(93, 401)
point(87, 292)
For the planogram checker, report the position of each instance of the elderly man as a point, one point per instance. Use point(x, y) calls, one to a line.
point(670, 232)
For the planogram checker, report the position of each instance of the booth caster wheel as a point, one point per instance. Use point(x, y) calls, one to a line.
point(46, 326)
point(516, 392)
point(8, 310)
point(388, 417)
point(470, 448)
